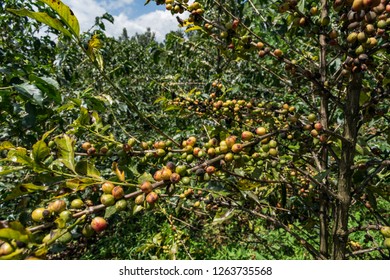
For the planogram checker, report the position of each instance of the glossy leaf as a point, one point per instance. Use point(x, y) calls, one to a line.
point(87, 168)
point(6, 145)
point(223, 216)
point(40, 151)
point(19, 155)
point(24, 189)
point(66, 15)
point(111, 210)
point(65, 147)
point(43, 18)
point(30, 92)
point(13, 234)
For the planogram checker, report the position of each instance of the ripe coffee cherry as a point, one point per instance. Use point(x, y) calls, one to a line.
point(157, 176)
point(91, 151)
point(191, 141)
point(99, 224)
point(230, 141)
point(236, 148)
point(86, 145)
point(57, 206)
point(175, 178)
point(318, 126)
point(170, 165)
point(146, 187)
point(210, 169)
point(118, 192)
point(152, 198)
point(278, 53)
point(166, 174)
point(247, 136)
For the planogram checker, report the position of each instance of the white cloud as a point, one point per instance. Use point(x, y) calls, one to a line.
point(160, 22)
point(86, 11)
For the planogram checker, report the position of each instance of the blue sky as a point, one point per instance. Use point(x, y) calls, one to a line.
point(132, 14)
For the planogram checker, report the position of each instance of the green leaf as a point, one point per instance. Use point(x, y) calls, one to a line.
point(47, 133)
point(322, 175)
point(137, 208)
point(301, 6)
point(79, 184)
point(111, 210)
point(65, 146)
point(223, 216)
point(251, 195)
point(146, 176)
point(196, 27)
point(66, 15)
point(48, 86)
point(4, 170)
point(40, 151)
point(87, 168)
point(83, 119)
point(363, 98)
point(246, 185)
point(108, 17)
point(99, 59)
point(24, 189)
point(44, 18)
point(6, 145)
point(10, 234)
point(158, 238)
point(172, 108)
point(19, 155)
point(31, 92)
point(15, 255)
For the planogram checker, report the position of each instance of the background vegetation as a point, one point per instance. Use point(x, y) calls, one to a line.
point(268, 120)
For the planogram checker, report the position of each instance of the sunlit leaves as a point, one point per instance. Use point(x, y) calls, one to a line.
point(44, 18)
point(119, 173)
point(15, 231)
point(40, 151)
point(93, 50)
point(30, 92)
point(66, 15)
point(24, 189)
point(65, 146)
point(87, 168)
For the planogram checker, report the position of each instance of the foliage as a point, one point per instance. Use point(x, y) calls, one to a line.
point(262, 132)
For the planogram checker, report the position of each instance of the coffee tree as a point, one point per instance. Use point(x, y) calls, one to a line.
point(278, 115)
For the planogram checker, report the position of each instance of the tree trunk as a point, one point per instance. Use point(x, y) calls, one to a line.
point(324, 111)
point(351, 119)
